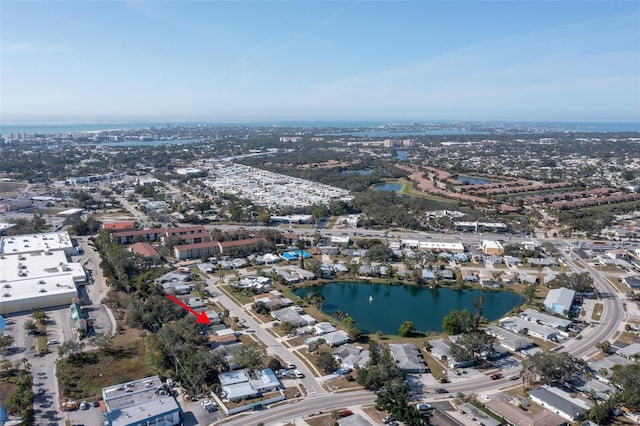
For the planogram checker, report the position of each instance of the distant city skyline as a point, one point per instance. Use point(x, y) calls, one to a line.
point(221, 61)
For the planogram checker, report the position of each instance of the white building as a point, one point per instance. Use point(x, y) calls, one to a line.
point(141, 402)
point(559, 300)
point(559, 402)
point(35, 272)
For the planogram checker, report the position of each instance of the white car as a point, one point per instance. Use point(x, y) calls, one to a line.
point(53, 342)
point(298, 374)
point(290, 365)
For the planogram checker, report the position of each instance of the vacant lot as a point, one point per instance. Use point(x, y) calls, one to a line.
point(6, 187)
point(84, 376)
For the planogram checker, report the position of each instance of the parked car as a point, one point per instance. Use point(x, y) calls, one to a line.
point(495, 376)
point(53, 342)
point(346, 412)
point(84, 405)
point(421, 406)
point(514, 377)
point(290, 365)
point(440, 390)
point(298, 374)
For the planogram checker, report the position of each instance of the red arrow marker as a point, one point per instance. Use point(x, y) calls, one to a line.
point(202, 316)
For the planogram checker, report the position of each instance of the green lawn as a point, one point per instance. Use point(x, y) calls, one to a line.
point(239, 296)
point(597, 311)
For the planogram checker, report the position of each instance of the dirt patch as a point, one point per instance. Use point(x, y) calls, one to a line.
point(6, 390)
point(375, 414)
point(341, 383)
point(6, 187)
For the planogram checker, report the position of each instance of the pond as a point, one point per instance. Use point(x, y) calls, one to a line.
point(384, 307)
point(473, 180)
point(395, 187)
point(402, 155)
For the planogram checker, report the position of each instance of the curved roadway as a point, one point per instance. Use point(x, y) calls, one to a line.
point(320, 400)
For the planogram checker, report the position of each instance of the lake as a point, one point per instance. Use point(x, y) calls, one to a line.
point(395, 187)
point(472, 180)
point(391, 305)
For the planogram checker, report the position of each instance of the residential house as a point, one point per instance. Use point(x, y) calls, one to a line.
point(509, 340)
point(519, 326)
point(333, 339)
point(290, 315)
point(351, 356)
point(545, 319)
point(559, 402)
point(631, 351)
point(323, 328)
point(408, 358)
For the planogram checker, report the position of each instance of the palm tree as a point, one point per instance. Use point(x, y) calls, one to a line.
point(604, 346)
point(300, 244)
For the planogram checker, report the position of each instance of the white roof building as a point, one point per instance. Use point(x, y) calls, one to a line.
point(35, 272)
point(559, 402)
point(20, 244)
point(140, 402)
point(546, 319)
point(519, 326)
point(559, 300)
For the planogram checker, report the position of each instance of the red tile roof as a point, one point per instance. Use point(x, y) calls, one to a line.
point(144, 250)
point(233, 243)
point(119, 226)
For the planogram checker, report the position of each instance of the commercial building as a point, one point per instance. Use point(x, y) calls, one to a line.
point(492, 247)
point(559, 300)
point(237, 385)
point(140, 402)
point(35, 271)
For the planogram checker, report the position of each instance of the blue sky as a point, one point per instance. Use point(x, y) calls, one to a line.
point(320, 60)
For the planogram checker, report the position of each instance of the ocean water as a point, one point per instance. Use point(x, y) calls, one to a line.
point(373, 128)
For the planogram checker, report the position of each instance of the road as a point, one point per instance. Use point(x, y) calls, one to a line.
point(312, 386)
point(138, 216)
point(287, 412)
point(320, 400)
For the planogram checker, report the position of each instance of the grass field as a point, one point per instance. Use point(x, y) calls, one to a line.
point(409, 189)
point(89, 373)
point(597, 311)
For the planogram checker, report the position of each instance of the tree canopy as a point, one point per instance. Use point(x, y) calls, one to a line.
point(458, 322)
point(548, 367)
